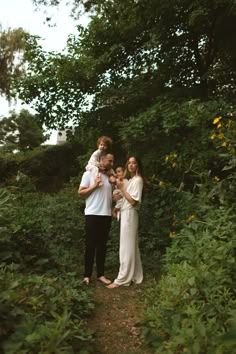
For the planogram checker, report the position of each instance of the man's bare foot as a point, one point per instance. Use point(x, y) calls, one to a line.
point(86, 281)
point(104, 280)
point(113, 286)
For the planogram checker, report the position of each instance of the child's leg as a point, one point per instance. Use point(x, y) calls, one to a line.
point(116, 213)
point(118, 203)
point(95, 171)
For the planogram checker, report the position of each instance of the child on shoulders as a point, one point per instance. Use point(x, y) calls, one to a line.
point(104, 143)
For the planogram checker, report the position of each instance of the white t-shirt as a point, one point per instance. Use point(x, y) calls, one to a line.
point(100, 200)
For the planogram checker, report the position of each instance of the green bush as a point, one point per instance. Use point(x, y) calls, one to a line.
point(46, 230)
point(40, 234)
point(48, 167)
point(8, 168)
point(191, 309)
point(161, 215)
point(43, 314)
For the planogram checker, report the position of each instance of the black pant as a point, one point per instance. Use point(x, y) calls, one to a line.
point(97, 231)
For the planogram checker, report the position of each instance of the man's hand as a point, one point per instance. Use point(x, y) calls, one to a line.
point(98, 181)
point(84, 192)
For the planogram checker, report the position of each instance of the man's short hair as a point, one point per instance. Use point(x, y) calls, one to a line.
point(105, 153)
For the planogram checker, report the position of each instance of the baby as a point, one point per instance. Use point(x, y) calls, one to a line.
point(104, 143)
point(120, 173)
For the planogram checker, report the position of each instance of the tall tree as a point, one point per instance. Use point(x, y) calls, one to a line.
point(12, 45)
point(131, 53)
point(20, 132)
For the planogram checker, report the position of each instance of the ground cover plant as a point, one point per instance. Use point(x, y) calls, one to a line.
point(192, 308)
point(43, 304)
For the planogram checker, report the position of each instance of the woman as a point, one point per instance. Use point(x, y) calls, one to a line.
point(130, 261)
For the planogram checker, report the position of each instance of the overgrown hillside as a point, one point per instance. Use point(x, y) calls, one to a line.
point(158, 77)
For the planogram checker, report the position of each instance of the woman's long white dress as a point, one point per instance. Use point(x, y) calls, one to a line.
point(130, 260)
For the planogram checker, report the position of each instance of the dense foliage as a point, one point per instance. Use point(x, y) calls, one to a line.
point(43, 303)
point(12, 45)
point(45, 168)
point(192, 308)
point(159, 78)
point(132, 53)
point(20, 132)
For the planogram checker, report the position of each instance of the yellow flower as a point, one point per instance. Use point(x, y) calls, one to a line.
point(174, 155)
point(216, 178)
point(219, 125)
point(167, 158)
point(171, 234)
point(191, 217)
point(224, 143)
point(216, 120)
point(212, 137)
point(220, 136)
point(174, 164)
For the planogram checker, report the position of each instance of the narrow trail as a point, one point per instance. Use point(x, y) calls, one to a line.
point(115, 319)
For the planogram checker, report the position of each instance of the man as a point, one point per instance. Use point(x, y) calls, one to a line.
point(98, 211)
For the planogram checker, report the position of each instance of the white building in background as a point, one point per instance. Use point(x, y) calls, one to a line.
point(61, 137)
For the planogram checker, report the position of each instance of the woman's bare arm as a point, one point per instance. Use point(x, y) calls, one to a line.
point(121, 186)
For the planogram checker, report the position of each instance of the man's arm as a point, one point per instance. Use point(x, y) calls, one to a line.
point(84, 192)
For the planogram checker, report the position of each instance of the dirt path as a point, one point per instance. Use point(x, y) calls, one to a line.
point(115, 319)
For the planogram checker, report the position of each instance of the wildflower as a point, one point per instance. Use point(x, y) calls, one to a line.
point(191, 217)
point(216, 178)
point(167, 158)
point(216, 120)
point(174, 155)
point(161, 183)
point(219, 125)
point(224, 143)
point(212, 137)
point(220, 136)
point(174, 164)
point(171, 234)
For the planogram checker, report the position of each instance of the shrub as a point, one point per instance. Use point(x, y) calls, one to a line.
point(191, 309)
point(40, 314)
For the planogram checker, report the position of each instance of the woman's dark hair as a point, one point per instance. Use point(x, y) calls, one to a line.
point(146, 184)
point(139, 163)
